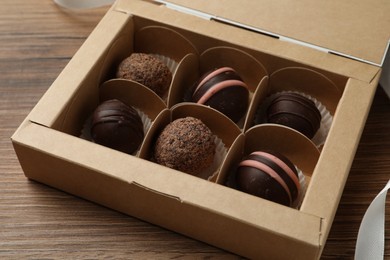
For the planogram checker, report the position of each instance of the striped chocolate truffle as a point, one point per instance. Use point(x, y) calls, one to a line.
point(270, 176)
point(118, 126)
point(295, 111)
point(224, 90)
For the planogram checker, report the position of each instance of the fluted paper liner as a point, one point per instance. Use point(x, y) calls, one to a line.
point(147, 146)
point(292, 144)
point(86, 130)
point(326, 118)
point(309, 83)
point(131, 94)
point(223, 129)
point(161, 42)
point(306, 81)
point(250, 70)
point(169, 46)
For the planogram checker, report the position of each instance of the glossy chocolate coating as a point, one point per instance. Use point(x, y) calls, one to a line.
point(295, 111)
point(117, 126)
point(147, 70)
point(268, 175)
point(185, 144)
point(224, 90)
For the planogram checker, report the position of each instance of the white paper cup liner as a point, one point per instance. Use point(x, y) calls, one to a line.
point(326, 118)
point(220, 153)
point(302, 191)
point(86, 130)
point(172, 66)
point(171, 63)
point(326, 122)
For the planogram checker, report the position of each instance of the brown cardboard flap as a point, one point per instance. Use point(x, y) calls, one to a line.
point(249, 69)
point(183, 78)
point(326, 176)
point(307, 81)
point(334, 25)
point(63, 89)
point(133, 94)
point(295, 146)
point(272, 52)
point(164, 41)
point(35, 140)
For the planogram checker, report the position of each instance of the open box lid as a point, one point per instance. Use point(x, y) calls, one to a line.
point(356, 29)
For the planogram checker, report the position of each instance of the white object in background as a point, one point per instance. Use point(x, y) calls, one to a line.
point(385, 77)
point(371, 236)
point(83, 4)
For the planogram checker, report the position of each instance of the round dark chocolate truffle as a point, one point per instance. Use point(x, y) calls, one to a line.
point(295, 111)
point(117, 126)
point(224, 90)
point(147, 70)
point(270, 176)
point(187, 145)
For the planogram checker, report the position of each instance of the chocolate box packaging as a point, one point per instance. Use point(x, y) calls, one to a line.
point(331, 52)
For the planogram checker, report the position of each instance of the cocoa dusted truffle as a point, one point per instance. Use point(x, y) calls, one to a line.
point(187, 145)
point(295, 111)
point(270, 176)
point(147, 70)
point(117, 126)
point(224, 90)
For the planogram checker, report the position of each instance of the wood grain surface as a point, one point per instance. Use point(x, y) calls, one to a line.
point(37, 39)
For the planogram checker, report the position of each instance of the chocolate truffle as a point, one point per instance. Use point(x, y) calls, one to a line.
point(117, 126)
point(270, 176)
point(295, 111)
point(147, 70)
point(224, 90)
point(187, 145)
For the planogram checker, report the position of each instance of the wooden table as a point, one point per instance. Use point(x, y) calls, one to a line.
point(37, 39)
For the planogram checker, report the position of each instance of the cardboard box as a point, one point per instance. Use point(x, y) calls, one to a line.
point(207, 209)
point(384, 81)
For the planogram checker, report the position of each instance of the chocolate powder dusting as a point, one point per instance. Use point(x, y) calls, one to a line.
point(147, 70)
point(187, 145)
